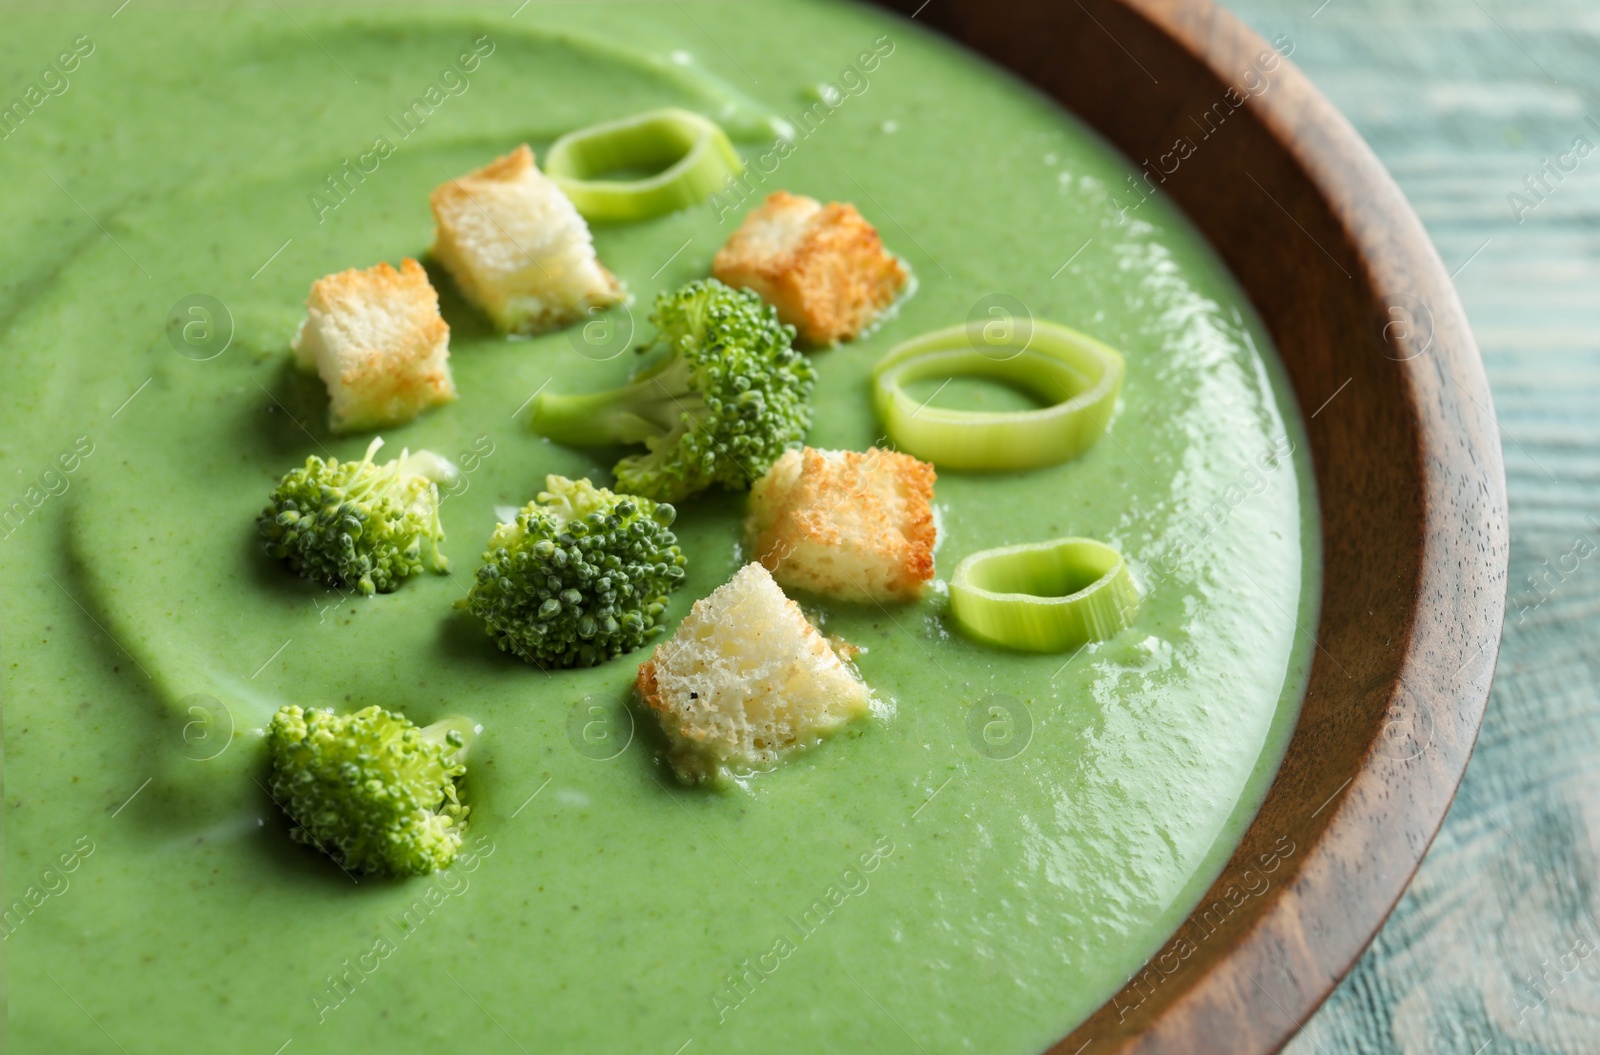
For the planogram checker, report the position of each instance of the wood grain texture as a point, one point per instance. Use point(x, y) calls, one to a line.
point(1409, 472)
point(1463, 103)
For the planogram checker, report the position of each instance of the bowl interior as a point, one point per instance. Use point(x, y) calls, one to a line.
point(1409, 478)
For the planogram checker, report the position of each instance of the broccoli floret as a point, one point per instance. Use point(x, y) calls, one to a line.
point(370, 789)
point(580, 576)
point(727, 399)
point(359, 524)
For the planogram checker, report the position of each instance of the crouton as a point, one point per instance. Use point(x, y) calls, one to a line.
point(853, 525)
point(517, 247)
point(745, 680)
point(378, 342)
point(822, 266)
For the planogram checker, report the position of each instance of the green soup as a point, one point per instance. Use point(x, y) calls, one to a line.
point(975, 867)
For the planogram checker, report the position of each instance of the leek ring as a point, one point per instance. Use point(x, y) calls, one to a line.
point(1078, 375)
point(692, 153)
point(1044, 596)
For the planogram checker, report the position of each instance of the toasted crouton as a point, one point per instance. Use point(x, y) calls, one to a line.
point(517, 247)
point(745, 680)
point(378, 342)
point(822, 266)
point(850, 524)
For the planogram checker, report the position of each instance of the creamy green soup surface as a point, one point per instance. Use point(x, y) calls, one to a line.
point(977, 866)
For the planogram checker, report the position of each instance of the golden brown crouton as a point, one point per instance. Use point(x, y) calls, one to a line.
point(850, 524)
point(822, 266)
point(378, 342)
point(745, 680)
point(517, 247)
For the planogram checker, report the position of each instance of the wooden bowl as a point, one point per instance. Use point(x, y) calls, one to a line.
point(1409, 474)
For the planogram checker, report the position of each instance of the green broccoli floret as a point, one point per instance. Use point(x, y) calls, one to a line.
point(582, 575)
point(359, 524)
point(727, 399)
point(370, 789)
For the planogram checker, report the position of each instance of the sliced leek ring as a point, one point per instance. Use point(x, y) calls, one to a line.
point(692, 153)
point(1077, 374)
point(1044, 596)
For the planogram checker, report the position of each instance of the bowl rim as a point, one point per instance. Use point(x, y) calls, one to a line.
point(1366, 837)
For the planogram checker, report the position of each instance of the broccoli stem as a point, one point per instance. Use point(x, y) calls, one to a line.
point(648, 407)
point(392, 480)
point(454, 731)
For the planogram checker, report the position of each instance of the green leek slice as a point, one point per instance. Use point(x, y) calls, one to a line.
point(692, 153)
point(1075, 373)
point(1044, 596)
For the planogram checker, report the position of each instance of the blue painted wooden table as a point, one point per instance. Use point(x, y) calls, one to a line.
point(1488, 115)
